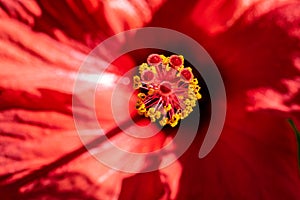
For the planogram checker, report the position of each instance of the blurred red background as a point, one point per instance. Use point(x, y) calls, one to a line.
point(255, 44)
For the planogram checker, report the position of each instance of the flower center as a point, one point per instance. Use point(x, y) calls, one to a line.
point(167, 90)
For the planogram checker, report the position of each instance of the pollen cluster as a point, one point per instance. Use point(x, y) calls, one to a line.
point(168, 91)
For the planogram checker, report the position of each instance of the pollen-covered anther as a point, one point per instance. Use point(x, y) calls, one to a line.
point(136, 82)
point(167, 90)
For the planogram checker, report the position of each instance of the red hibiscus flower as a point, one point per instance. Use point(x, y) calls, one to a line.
point(255, 45)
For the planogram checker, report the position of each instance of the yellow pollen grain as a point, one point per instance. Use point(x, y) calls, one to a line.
point(187, 102)
point(165, 60)
point(194, 81)
point(168, 108)
point(182, 58)
point(142, 109)
point(198, 95)
point(143, 67)
point(164, 121)
point(141, 95)
point(180, 68)
point(151, 91)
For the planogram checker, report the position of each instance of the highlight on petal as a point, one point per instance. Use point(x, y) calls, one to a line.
point(265, 98)
point(39, 63)
point(218, 16)
point(123, 14)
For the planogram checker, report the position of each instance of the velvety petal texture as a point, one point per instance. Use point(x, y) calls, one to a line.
point(257, 54)
point(41, 51)
point(255, 45)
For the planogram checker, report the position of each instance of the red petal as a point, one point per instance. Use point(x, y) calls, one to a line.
point(255, 46)
point(37, 78)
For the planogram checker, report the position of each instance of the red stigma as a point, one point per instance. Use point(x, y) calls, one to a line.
point(176, 61)
point(187, 74)
point(154, 59)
